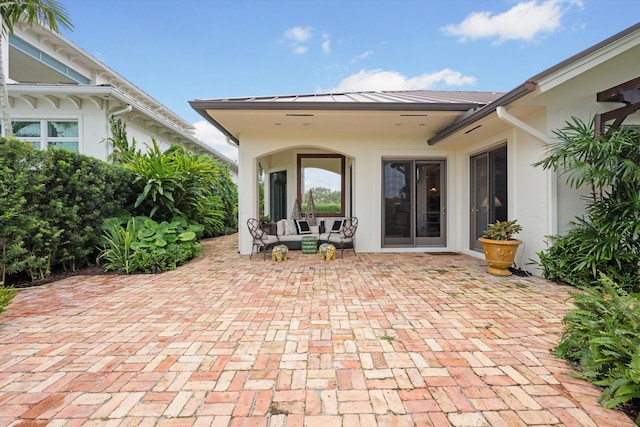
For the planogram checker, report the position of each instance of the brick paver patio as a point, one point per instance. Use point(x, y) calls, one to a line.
point(377, 339)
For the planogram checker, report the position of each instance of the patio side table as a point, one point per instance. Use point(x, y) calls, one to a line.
point(309, 244)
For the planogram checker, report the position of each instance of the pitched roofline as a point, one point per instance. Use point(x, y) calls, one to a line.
point(107, 73)
point(218, 125)
point(123, 98)
point(271, 103)
point(524, 89)
point(202, 106)
point(490, 108)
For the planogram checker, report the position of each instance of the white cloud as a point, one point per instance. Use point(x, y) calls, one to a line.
point(297, 36)
point(367, 80)
point(326, 43)
point(525, 21)
point(362, 56)
point(207, 133)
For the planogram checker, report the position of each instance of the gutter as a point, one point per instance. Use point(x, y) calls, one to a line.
point(107, 91)
point(99, 67)
point(529, 86)
point(506, 99)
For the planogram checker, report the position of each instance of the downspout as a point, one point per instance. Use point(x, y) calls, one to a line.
point(125, 110)
point(515, 122)
point(508, 118)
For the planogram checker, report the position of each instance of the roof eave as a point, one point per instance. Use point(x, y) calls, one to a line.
point(529, 86)
point(101, 68)
point(113, 93)
point(483, 112)
point(203, 112)
point(201, 107)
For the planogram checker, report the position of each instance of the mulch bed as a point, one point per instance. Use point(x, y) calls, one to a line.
point(21, 281)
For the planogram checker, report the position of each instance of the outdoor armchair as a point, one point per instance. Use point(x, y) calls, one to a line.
point(345, 236)
point(261, 240)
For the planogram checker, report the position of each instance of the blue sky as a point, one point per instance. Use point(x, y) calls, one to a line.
point(178, 51)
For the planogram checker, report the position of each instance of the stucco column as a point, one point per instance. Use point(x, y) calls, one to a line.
point(247, 199)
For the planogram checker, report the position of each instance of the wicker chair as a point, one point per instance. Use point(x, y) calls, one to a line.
point(345, 235)
point(261, 240)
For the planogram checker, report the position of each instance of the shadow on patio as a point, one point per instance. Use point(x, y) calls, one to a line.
point(377, 339)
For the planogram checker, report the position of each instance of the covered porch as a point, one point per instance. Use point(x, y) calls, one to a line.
point(403, 191)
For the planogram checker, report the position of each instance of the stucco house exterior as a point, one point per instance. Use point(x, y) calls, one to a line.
point(60, 95)
point(426, 171)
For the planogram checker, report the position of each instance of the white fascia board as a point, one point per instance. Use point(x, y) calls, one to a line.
point(143, 109)
point(40, 90)
point(46, 89)
point(588, 62)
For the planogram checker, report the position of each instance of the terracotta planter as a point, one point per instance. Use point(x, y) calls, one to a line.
point(499, 255)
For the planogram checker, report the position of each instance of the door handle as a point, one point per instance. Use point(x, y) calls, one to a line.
point(444, 211)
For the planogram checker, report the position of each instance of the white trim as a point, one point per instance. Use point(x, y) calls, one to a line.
point(514, 121)
point(589, 62)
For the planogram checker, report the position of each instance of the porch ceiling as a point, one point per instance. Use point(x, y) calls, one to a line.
point(407, 123)
point(417, 113)
point(25, 69)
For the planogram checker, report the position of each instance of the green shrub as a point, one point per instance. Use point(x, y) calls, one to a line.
point(178, 183)
point(149, 246)
point(227, 191)
point(606, 241)
point(6, 296)
point(166, 245)
point(52, 204)
point(603, 335)
point(20, 184)
point(607, 238)
point(323, 208)
point(116, 241)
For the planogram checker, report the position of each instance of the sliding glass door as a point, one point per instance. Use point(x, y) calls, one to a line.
point(488, 192)
point(278, 195)
point(414, 203)
point(430, 207)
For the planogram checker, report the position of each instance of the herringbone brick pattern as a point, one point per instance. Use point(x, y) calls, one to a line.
point(377, 339)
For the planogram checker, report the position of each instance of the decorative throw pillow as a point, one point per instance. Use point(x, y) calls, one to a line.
point(280, 227)
point(337, 226)
point(290, 227)
point(302, 226)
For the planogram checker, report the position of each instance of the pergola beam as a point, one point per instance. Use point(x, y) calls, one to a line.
point(627, 93)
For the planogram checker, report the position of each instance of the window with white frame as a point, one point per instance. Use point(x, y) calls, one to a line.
point(48, 133)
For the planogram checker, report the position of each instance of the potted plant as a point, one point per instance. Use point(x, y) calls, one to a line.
point(266, 223)
point(499, 247)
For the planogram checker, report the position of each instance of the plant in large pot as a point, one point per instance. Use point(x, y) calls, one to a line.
point(266, 224)
point(499, 247)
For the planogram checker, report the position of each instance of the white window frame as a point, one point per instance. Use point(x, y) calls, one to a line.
point(44, 139)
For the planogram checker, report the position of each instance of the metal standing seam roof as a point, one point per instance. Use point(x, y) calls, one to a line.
point(408, 100)
point(354, 100)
